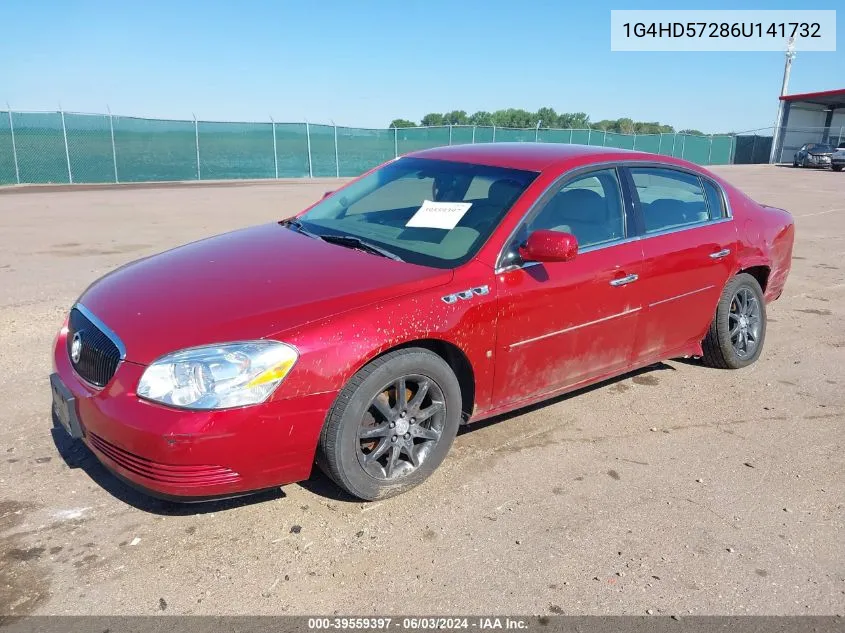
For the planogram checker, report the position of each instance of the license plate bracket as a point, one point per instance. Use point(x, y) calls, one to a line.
point(64, 407)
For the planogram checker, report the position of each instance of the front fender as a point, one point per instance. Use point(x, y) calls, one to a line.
point(333, 350)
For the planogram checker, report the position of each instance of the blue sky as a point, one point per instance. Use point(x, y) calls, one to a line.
point(365, 62)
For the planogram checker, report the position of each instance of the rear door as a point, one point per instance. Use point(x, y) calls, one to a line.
point(689, 246)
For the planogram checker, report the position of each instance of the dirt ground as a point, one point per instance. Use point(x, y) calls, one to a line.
point(678, 489)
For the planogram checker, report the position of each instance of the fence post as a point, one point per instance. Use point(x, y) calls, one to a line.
point(197, 143)
point(450, 134)
point(494, 133)
point(275, 153)
point(604, 140)
point(674, 139)
point(14, 147)
point(336, 156)
point(660, 143)
point(308, 141)
point(473, 134)
point(710, 151)
point(67, 151)
point(683, 144)
point(113, 147)
point(395, 142)
point(589, 136)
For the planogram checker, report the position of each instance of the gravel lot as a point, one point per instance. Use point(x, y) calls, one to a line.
point(678, 489)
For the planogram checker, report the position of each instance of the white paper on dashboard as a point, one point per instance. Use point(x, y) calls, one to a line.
point(439, 215)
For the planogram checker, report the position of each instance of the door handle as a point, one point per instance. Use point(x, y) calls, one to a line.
point(720, 254)
point(624, 280)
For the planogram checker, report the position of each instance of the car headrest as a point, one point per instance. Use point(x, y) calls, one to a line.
point(503, 192)
point(584, 205)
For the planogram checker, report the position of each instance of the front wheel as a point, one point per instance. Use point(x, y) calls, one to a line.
point(392, 425)
point(736, 335)
point(837, 167)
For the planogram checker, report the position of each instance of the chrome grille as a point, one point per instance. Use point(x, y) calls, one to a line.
point(99, 355)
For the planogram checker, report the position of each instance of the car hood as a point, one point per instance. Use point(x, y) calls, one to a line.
point(248, 284)
point(813, 152)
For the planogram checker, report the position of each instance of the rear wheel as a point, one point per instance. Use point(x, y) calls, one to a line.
point(837, 167)
point(736, 335)
point(392, 425)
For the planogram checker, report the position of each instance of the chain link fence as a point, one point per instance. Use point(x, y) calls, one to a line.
point(65, 147)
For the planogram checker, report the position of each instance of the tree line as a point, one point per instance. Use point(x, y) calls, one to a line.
point(546, 117)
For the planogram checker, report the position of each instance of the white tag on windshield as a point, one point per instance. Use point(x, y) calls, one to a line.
point(439, 215)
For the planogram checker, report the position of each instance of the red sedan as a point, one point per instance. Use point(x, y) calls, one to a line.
point(444, 287)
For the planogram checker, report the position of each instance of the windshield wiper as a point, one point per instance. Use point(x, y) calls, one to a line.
point(296, 225)
point(356, 242)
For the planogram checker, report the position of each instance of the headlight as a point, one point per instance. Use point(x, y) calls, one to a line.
point(218, 376)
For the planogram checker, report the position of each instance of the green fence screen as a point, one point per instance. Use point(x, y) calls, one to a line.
point(57, 147)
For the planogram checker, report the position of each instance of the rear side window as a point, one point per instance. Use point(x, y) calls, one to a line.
point(669, 199)
point(715, 201)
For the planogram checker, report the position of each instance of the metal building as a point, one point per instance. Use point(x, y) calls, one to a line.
point(813, 117)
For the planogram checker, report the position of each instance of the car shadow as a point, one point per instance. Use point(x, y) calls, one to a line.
point(77, 455)
point(474, 426)
point(320, 484)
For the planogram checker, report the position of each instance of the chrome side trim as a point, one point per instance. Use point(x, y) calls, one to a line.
point(686, 294)
point(103, 327)
point(572, 328)
point(685, 227)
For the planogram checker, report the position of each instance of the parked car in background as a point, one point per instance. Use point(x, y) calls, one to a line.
point(837, 159)
point(447, 286)
point(813, 155)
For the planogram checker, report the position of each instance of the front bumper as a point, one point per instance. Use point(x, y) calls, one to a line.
point(177, 453)
point(821, 162)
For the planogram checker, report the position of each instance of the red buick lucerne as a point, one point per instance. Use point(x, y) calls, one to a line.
point(441, 288)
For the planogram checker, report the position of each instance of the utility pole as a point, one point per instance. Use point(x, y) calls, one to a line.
point(784, 89)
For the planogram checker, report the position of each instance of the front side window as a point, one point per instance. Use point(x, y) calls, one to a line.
point(428, 212)
point(669, 198)
point(589, 207)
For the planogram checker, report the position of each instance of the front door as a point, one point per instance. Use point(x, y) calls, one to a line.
point(562, 323)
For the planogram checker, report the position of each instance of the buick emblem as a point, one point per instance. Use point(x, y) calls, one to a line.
point(76, 347)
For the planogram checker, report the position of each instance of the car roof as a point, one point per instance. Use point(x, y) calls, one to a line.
point(535, 156)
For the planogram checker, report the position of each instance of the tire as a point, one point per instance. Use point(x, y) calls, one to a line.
point(837, 167)
point(365, 406)
point(794, 162)
point(720, 350)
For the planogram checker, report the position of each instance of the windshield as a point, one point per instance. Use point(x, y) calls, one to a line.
point(820, 148)
point(429, 212)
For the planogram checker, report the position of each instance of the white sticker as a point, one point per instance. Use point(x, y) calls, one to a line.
point(439, 215)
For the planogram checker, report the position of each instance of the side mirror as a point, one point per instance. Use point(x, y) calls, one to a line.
point(327, 194)
point(549, 246)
